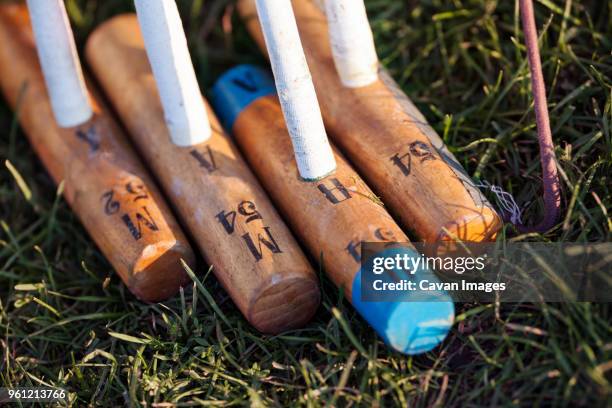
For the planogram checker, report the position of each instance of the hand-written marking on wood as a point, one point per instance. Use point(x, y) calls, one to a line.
point(136, 229)
point(138, 190)
point(205, 158)
point(138, 219)
point(354, 246)
point(89, 136)
point(418, 150)
point(336, 194)
point(246, 212)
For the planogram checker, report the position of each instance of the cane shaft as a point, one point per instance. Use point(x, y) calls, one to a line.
point(176, 81)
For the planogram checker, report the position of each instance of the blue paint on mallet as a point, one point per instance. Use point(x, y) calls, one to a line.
point(237, 89)
point(415, 321)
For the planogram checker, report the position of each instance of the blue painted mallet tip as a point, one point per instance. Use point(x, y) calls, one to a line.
point(417, 322)
point(237, 88)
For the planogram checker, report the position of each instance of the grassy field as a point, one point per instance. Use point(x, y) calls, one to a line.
point(67, 320)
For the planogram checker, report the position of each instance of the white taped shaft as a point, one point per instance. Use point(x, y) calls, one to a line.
point(352, 42)
point(296, 91)
point(166, 46)
point(60, 62)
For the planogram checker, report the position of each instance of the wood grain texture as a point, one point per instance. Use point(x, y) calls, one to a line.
point(241, 235)
point(105, 183)
point(331, 216)
point(388, 146)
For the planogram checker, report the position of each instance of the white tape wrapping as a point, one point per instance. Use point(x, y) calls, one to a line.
point(352, 42)
point(60, 62)
point(166, 45)
point(296, 91)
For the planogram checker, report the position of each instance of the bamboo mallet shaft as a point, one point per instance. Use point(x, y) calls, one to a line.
point(105, 183)
point(241, 235)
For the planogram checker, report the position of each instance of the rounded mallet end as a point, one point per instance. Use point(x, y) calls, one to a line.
point(417, 322)
point(158, 273)
point(418, 327)
point(285, 304)
point(479, 226)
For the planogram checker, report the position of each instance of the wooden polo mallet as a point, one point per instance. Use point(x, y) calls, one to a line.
point(379, 129)
point(79, 142)
point(331, 216)
point(251, 250)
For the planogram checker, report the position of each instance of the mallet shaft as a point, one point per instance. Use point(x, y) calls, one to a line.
point(170, 61)
point(298, 98)
point(241, 235)
point(422, 186)
point(60, 62)
point(105, 183)
point(352, 43)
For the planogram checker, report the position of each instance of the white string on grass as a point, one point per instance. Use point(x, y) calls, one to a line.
point(510, 208)
point(166, 45)
point(296, 91)
point(352, 42)
point(60, 62)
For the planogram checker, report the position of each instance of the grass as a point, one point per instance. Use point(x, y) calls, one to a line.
point(66, 319)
